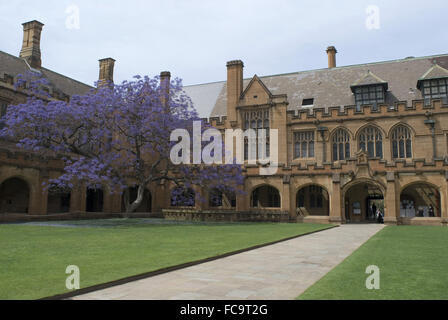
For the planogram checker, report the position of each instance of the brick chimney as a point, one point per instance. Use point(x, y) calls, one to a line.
point(331, 52)
point(106, 71)
point(234, 87)
point(165, 79)
point(31, 43)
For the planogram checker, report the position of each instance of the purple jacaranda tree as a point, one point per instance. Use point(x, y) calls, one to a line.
point(115, 136)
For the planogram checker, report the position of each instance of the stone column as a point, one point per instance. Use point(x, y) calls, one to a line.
point(444, 200)
point(335, 205)
point(43, 192)
point(115, 203)
point(38, 195)
point(77, 199)
point(391, 200)
point(285, 195)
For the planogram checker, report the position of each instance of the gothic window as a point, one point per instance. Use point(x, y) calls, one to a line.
point(341, 145)
point(401, 143)
point(304, 144)
point(371, 141)
point(257, 120)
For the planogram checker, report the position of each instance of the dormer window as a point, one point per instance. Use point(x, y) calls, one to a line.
point(372, 94)
point(434, 84)
point(435, 89)
point(369, 90)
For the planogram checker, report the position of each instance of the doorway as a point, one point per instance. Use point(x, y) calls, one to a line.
point(362, 200)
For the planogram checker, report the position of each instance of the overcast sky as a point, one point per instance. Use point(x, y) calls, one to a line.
point(194, 39)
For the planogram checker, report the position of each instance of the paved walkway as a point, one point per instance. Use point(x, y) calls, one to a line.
point(279, 271)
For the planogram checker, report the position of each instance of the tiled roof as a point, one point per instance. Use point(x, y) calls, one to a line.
point(14, 66)
point(328, 87)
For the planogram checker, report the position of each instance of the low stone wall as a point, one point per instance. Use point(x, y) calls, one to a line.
point(18, 217)
point(225, 215)
point(422, 221)
point(314, 219)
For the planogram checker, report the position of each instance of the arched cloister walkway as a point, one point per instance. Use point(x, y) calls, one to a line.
point(265, 196)
point(14, 196)
point(312, 200)
point(420, 199)
point(361, 200)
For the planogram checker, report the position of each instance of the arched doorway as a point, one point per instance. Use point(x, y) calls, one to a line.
point(145, 205)
point(420, 200)
point(58, 202)
point(312, 200)
point(362, 200)
point(265, 197)
point(94, 200)
point(14, 196)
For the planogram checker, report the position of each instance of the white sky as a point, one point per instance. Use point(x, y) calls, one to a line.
point(193, 39)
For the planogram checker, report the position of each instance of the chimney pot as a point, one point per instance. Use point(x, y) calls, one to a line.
point(31, 43)
point(165, 74)
point(331, 52)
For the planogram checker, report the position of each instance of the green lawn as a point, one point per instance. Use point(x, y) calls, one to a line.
point(33, 257)
point(413, 263)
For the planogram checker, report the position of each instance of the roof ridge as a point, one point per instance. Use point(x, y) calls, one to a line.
point(335, 68)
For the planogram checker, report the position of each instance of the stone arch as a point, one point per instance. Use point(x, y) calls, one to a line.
point(360, 129)
point(362, 198)
point(15, 195)
point(335, 130)
point(350, 184)
point(420, 199)
point(400, 123)
point(265, 196)
point(313, 199)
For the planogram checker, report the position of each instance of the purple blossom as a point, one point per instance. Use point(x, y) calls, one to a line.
point(115, 136)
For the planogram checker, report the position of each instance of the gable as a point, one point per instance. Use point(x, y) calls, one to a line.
point(435, 72)
point(256, 93)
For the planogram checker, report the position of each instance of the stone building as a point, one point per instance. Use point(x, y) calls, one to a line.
point(352, 140)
